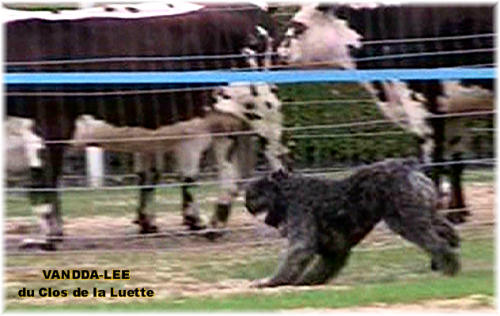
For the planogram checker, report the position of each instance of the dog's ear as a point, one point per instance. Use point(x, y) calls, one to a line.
point(325, 8)
point(245, 185)
point(279, 175)
point(277, 214)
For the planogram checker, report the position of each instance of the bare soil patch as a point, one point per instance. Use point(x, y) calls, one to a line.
point(109, 233)
point(473, 303)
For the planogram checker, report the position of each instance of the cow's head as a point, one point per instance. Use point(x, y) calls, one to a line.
point(315, 36)
point(251, 103)
point(260, 108)
point(259, 48)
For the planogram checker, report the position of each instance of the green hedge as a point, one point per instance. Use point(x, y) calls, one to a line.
point(311, 152)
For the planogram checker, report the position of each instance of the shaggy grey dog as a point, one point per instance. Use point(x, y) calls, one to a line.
point(323, 219)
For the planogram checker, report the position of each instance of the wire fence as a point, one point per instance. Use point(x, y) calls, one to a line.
point(179, 232)
point(212, 247)
point(483, 161)
point(253, 132)
point(166, 176)
point(26, 261)
point(242, 56)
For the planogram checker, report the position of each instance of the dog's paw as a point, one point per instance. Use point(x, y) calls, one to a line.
point(260, 283)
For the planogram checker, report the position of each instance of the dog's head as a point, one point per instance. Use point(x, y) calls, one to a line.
point(264, 197)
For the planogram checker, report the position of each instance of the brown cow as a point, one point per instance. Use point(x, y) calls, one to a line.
point(121, 38)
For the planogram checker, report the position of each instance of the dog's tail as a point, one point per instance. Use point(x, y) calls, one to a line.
point(399, 164)
point(387, 171)
point(411, 163)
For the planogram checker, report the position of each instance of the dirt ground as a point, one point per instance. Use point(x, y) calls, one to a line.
point(470, 304)
point(176, 251)
point(107, 233)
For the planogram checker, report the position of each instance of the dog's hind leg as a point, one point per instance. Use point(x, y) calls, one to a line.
point(322, 269)
point(445, 230)
point(421, 231)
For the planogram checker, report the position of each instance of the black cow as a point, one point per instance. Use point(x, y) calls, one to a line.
point(118, 38)
point(390, 36)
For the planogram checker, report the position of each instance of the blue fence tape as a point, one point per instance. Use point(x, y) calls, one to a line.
point(223, 77)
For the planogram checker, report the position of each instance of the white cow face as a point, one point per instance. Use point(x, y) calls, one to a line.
point(290, 50)
point(318, 37)
point(259, 106)
point(249, 102)
point(23, 147)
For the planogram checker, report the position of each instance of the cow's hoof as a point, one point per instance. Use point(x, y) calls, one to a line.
point(148, 229)
point(222, 212)
point(197, 226)
point(146, 226)
point(458, 217)
point(187, 220)
point(434, 265)
point(37, 244)
point(213, 235)
point(57, 237)
point(195, 222)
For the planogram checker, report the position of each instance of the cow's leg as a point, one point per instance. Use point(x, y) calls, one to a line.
point(457, 140)
point(45, 167)
point(277, 155)
point(432, 90)
point(457, 198)
point(56, 154)
point(148, 177)
point(438, 153)
point(188, 155)
point(228, 173)
point(190, 208)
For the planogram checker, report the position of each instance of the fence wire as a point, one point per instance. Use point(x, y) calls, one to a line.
point(242, 133)
point(209, 247)
point(242, 56)
point(400, 244)
point(119, 177)
point(484, 161)
point(221, 231)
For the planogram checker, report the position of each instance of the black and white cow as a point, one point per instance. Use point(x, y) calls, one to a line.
point(237, 110)
point(394, 36)
point(121, 38)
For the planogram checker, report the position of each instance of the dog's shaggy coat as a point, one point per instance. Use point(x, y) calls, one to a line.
point(323, 219)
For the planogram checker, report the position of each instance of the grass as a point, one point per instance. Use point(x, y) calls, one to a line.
point(479, 176)
point(398, 292)
point(364, 266)
point(374, 276)
point(109, 203)
point(89, 203)
point(388, 276)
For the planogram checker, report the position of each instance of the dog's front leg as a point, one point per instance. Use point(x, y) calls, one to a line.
point(292, 266)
